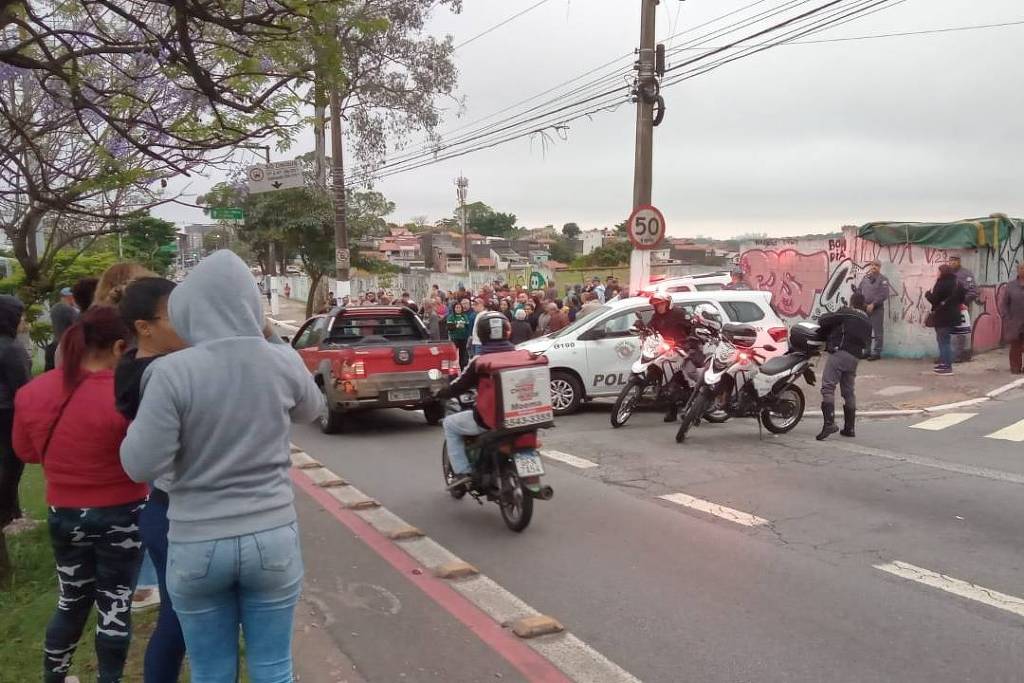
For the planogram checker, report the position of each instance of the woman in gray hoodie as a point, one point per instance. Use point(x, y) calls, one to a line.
point(214, 423)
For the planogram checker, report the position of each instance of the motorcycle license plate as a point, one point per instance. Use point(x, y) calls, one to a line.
point(529, 465)
point(404, 395)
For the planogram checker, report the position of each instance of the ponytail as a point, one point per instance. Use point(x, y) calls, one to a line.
point(98, 329)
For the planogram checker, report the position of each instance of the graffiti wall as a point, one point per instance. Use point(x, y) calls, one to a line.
point(809, 277)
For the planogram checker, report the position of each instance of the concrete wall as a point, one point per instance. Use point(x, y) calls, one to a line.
point(810, 277)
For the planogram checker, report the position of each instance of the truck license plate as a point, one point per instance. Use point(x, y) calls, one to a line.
point(404, 395)
point(529, 465)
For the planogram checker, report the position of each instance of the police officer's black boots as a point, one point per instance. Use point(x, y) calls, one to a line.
point(849, 419)
point(673, 411)
point(828, 411)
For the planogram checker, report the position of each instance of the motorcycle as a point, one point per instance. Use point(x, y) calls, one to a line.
point(748, 385)
point(661, 360)
point(507, 469)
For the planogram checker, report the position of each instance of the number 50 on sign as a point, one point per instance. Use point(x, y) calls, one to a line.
point(646, 227)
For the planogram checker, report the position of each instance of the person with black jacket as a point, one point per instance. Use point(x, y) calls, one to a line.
point(946, 298)
point(14, 374)
point(672, 324)
point(494, 331)
point(848, 337)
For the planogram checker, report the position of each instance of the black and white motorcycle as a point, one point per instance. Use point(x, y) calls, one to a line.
point(666, 371)
point(738, 381)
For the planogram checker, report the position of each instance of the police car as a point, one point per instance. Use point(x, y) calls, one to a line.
point(592, 357)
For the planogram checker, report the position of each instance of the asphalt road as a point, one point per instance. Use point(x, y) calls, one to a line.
point(676, 594)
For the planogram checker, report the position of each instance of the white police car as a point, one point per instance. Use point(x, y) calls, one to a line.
point(591, 358)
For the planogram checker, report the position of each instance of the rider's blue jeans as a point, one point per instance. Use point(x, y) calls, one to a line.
point(456, 427)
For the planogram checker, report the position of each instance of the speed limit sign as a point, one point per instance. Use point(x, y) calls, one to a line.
point(646, 227)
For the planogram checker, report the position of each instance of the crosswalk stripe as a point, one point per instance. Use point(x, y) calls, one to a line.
point(971, 591)
point(1014, 432)
point(568, 459)
point(942, 421)
point(736, 516)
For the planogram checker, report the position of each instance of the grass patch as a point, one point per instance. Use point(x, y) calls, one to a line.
point(28, 601)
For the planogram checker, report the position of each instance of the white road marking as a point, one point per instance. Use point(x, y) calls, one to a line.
point(581, 463)
point(983, 472)
point(971, 591)
point(1014, 432)
point(942, 421)
point(959, 404)
point(744, 518)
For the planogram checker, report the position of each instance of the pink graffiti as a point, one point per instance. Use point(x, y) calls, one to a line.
point(988, 327)
point(794, 279)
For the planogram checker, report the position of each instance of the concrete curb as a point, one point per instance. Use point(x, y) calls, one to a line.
point(999, 391)
point(543, 634)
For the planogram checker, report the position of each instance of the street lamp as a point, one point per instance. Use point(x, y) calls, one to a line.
point(461, 187)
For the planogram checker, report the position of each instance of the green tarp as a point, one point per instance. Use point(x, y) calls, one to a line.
point(967, 234)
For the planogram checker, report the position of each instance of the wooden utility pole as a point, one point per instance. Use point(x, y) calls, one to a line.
point(643, 167)
point(342, 258)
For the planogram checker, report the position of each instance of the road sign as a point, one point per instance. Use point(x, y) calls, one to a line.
point(646, 227)
point(279, 175)
point(227, 213)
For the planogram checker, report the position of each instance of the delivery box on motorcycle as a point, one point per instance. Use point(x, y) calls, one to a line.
point(514, 391)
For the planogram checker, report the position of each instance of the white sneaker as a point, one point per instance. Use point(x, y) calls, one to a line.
point(144, 598)
point(71, 679)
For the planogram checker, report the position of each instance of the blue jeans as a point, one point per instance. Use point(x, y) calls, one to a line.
point(166, 648)
point(252, 582)
point(455, 428)
point(943, 335)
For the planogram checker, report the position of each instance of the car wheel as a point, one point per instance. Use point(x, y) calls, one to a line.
point(566, 393)
point(332, 421)
point(434, 413)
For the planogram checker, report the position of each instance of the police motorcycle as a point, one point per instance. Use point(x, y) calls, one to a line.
point(514, 395)
point(745, 384)
point(655, 372)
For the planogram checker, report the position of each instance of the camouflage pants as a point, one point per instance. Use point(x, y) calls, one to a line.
point(98, 553)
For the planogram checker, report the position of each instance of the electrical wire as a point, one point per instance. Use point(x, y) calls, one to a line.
point(500, 24)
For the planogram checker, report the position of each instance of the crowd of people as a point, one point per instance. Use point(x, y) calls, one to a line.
point(532, 313)
point(141, 455)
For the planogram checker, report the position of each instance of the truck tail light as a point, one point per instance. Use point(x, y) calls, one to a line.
point(450, 366)
point(353, 370)
point(778, 334)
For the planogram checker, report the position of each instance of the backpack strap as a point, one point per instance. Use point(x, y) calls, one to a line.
point(56, 421)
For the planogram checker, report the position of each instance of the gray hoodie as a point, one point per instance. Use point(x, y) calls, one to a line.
point(216, 417)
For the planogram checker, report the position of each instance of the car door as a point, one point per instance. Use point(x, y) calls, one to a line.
point(612, 349)
point(307, 341)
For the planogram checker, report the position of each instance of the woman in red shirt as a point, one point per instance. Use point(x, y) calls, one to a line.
point(66, 420)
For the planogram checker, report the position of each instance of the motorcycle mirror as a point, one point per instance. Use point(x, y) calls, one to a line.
point(769, 347)
point(434, 374)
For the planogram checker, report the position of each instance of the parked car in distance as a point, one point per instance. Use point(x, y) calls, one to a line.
point(705, 282)
point(370, 357)
point(592, 357)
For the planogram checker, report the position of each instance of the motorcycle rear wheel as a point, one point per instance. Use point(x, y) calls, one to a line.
point(626, 403)
point(778, 423)
point(515, 502)
point(694, 410)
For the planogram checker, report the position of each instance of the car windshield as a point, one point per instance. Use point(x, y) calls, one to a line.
point(579, 322)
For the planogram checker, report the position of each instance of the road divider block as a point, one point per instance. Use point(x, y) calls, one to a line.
point(537, 625)
point(456, 569)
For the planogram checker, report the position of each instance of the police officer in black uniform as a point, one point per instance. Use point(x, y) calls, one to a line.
point(848, 337)
point(671, 323)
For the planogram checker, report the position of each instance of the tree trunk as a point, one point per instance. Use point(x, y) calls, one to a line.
point(314, 302)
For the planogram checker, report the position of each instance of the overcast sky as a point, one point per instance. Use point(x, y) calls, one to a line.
point(796, 139)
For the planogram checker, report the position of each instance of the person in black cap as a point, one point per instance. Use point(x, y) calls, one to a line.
point(737, 283)
point(14, 374)
point(63, 315)
point(847, 333)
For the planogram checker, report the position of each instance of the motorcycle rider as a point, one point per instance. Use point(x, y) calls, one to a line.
point(672, 324)
point(848, 337)
point(494, 331)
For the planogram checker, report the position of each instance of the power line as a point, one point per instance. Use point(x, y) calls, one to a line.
point(933, 31)
point(500, 24)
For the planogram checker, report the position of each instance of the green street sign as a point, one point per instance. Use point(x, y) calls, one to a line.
point(230, 214)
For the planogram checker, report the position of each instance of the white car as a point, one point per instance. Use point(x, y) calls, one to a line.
point(592, 357)
point(705, 282)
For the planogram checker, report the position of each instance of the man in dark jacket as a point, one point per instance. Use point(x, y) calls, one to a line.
point(14, 373)
point(493, 330)
point(962, 342)
point(874, 287)
point(671, 323)
point(847, 333)
point(63, 315)
point(946, 298)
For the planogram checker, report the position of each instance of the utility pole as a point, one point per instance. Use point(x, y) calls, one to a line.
point(342, 259)
point(461, 187)
point(643, 169)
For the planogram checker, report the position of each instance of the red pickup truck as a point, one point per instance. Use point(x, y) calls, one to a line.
point(366, 357)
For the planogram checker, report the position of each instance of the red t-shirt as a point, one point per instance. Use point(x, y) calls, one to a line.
point(82, 464)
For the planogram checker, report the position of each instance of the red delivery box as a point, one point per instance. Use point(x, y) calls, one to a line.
point(514, 392)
